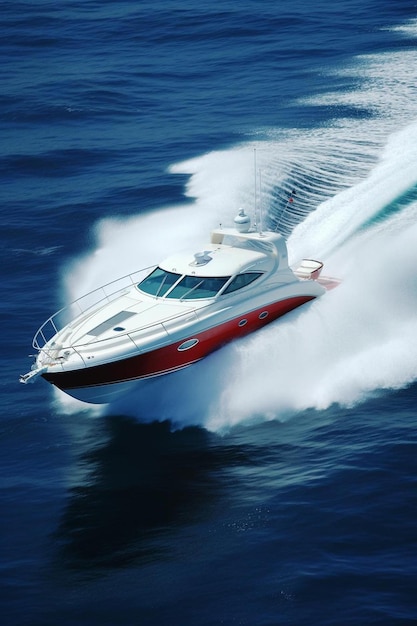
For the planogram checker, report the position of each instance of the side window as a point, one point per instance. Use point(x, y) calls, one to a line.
point(158, 283)
point(241, 280)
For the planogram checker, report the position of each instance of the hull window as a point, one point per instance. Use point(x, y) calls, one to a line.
point(190, 343)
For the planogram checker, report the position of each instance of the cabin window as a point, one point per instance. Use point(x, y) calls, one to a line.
point(193, 287)
point(158, 283)
point(241, 280)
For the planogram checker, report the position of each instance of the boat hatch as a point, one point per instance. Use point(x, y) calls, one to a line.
point(110, 323)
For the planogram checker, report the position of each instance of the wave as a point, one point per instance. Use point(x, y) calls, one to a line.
point(354, 340)
point(356, 208)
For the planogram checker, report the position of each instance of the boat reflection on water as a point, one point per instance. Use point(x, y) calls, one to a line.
point(142, 485)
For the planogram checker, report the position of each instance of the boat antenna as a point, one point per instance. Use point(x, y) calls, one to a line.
point(260, 204)
point(255, 190)
point(257, 204)
point(283, 212)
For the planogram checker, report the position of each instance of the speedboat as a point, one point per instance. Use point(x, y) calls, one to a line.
point(164, 318)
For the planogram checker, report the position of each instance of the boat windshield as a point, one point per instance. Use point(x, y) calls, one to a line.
point(158, 283)
point(193, 287)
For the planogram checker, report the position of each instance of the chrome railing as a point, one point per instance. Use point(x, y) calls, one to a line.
point(89, 301)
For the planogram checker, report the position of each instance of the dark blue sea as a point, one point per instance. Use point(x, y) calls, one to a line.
point(275, 483)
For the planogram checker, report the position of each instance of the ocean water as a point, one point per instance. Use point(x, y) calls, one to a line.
point(275, 482)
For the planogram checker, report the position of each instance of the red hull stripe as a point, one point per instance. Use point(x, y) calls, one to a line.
point(169, 358)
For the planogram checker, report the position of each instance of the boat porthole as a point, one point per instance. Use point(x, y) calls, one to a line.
point(263, 315)
point(190, 343)
point(119, 329)
point(242, 323)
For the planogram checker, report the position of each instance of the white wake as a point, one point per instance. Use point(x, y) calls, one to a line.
point(360, 179)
